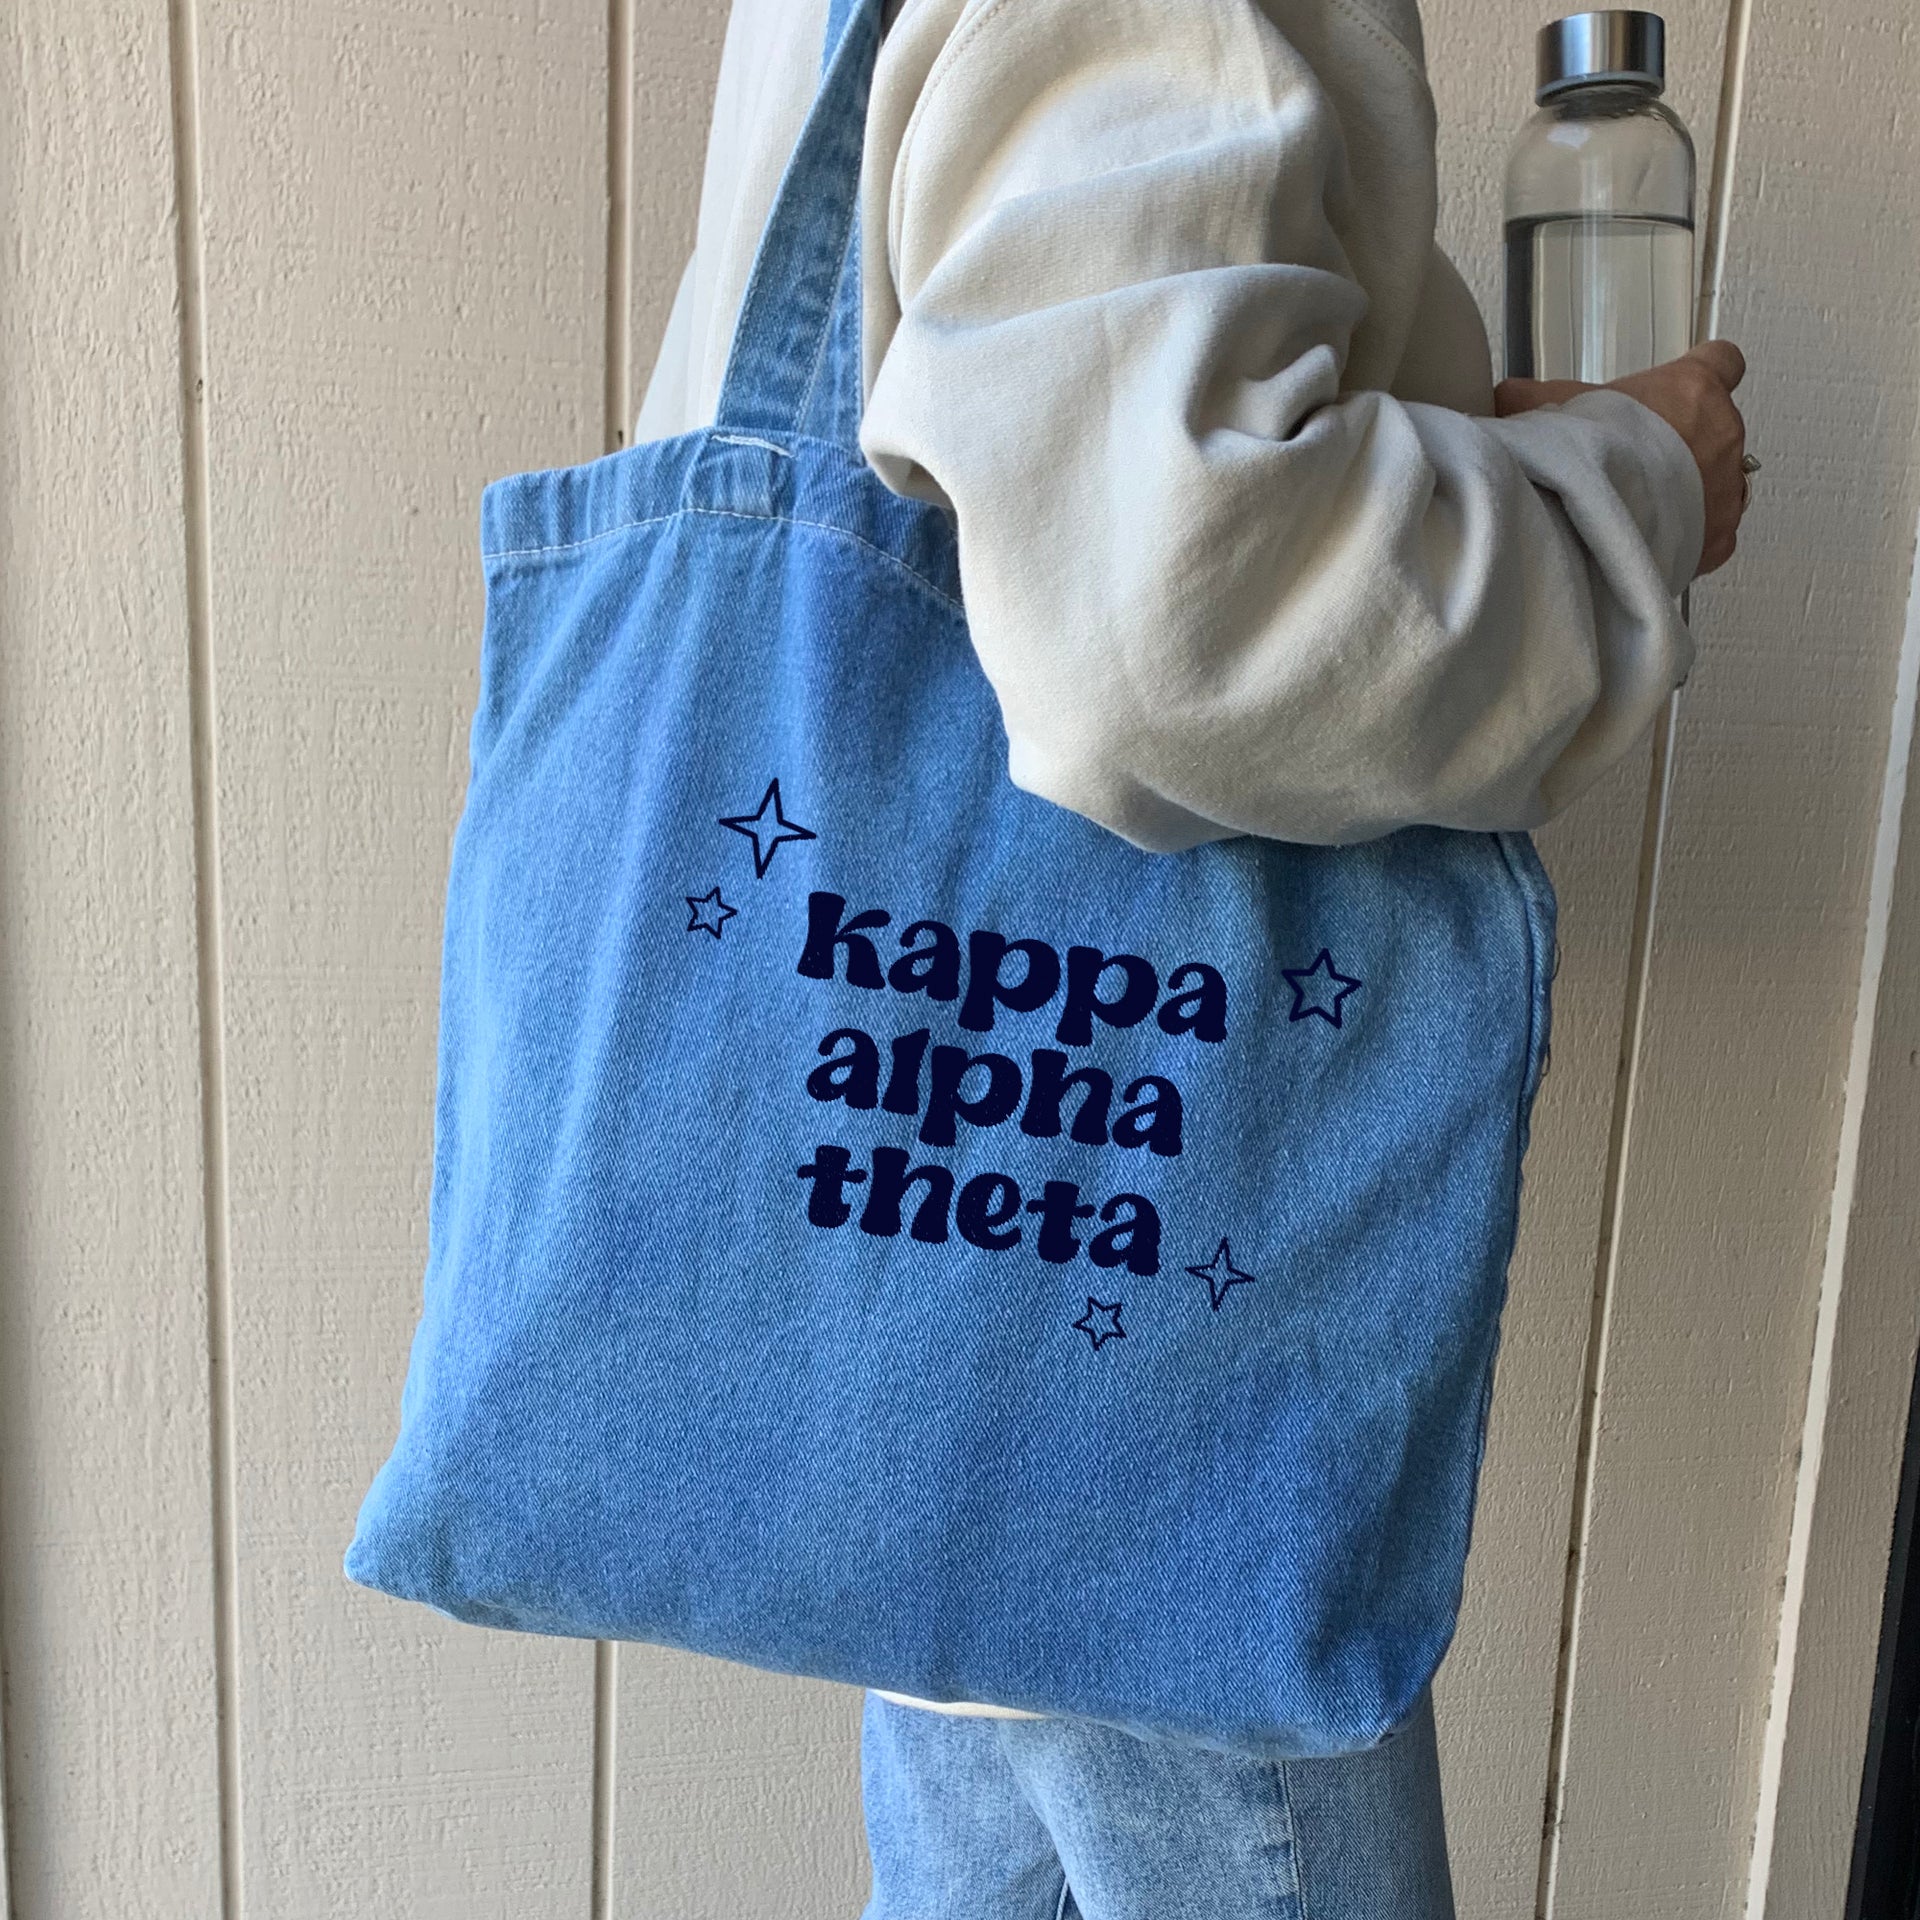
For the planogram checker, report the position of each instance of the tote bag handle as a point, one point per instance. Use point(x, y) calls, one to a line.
point(784, 341)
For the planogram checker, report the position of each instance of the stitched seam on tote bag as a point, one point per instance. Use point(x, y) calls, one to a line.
point(727, 513)
point(842, 533)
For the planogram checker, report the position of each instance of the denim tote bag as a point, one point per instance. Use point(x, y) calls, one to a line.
point(885, 1226)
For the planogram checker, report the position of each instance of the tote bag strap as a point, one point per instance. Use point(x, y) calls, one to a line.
point(794, 366)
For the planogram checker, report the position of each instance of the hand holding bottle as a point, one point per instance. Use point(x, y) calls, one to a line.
point(1694, 395)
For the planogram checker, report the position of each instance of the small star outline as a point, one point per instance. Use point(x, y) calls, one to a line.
point(1307, 984)
point(1220, 1274)
point(708, 913)
point(1101, 1322)
point(768, 836)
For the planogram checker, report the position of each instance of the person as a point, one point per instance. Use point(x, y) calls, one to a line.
point(1250, 543)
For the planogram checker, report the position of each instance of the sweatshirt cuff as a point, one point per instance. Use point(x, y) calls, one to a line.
point(1657, 477)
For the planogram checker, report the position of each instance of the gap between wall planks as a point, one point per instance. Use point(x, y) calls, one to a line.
point(615, 425)
point(112, 1800)
point(405, 220)
point(209, 969)
point(1752, 989)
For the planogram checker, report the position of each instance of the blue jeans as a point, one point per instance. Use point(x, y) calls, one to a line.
point(990, 1819)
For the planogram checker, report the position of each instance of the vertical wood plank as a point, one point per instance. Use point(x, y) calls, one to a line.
point(1496, 1693)
point(1856, 1429)
point(738, 1792)
point(406, 235)
point(112, 1799)
point(676, 61)
point(1778, 763)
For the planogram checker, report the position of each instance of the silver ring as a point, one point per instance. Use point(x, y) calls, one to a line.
point(1748, 464)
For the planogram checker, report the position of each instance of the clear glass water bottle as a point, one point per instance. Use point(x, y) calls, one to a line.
point(1599, 207)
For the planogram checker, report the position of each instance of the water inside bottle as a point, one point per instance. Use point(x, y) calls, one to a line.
point(1592, 296)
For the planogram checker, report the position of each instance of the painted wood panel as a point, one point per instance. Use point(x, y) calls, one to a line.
point(106, 1608)
point(739, 1793)
point(1755, 970)
point(1849, 1469)
point(406, 220)
point(441, 237)
point(676, 59)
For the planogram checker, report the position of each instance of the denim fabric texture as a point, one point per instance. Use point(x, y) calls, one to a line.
point(1065, 1820)
point(884, 1226)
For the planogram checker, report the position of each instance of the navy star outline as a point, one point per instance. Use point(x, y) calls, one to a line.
point(1220, 1274)
point(708, 913)
point(767, 837)
point(1306, 982)
point(1101, 1322)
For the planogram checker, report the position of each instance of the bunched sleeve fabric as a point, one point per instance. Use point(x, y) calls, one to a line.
point(1221, 583)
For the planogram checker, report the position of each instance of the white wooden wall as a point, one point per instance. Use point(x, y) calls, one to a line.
point(282, 284)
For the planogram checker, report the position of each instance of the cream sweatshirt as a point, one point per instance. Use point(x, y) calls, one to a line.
point(1152, 303)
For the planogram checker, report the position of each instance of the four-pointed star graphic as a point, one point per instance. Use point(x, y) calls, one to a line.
point(709, 913)
point(1220, 1273)
point(769, 829)
point(1319, 988)
point(1101, 1321)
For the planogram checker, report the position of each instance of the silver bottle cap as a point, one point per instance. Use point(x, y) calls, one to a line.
point(1587, 49)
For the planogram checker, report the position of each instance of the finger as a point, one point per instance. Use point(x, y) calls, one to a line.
point(1723, 360)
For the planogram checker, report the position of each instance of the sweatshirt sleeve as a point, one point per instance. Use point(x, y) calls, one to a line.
point(1216, 588)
